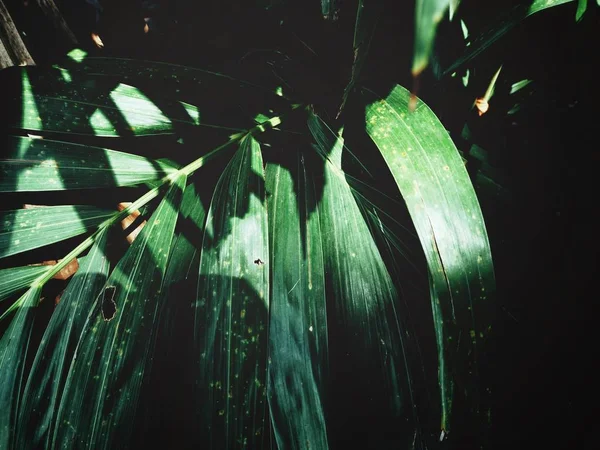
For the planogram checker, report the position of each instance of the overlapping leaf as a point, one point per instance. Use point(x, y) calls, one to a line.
point(298, 319)
point(45, 382)
point(18, 278)
point(14, 346)
point(233, 307)
point(102, 390)
point(440, 197)
point(361, 309)
point(45, 165)
point(26, 229)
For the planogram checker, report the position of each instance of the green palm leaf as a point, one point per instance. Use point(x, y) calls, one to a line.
point(18, 278)
point(233, 306)
point(26, 229)
point(101, 394)
point(46, 379)
point(45, 165)
point(440, 197)
point(49, 103)
point(361, 306)
point(428, 14)
point(13, 354)
point(298, 322)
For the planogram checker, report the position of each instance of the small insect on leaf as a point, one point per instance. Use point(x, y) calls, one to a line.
point(109, 307)
point(258, 262)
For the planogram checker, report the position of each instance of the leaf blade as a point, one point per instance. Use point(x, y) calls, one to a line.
point(444, 208)
point(46, 165)
point(231, 313)
point(26, 229)
point(298, 324)
point(118, 339)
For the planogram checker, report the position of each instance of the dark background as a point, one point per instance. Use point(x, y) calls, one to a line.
point(540, 222)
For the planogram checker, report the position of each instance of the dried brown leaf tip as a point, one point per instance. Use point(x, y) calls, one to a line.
point(97, 40)
point(482, 106)
point(129, 220)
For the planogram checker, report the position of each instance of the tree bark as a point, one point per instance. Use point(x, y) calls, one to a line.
point(13, 51)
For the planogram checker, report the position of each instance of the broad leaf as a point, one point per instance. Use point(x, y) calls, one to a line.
point(26, 229)
point(95, 108)
point(45, 383)
point(438, 192)
point(14, 346)
point(18, 278)
point(361, 311)
point(298, 319)
point(102, 390)
point(232, 309)
point(505, 24)
point(45, 165)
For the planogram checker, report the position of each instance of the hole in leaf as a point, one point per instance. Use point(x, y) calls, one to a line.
point(109, 307)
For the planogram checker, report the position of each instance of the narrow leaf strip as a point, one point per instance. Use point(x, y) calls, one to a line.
point(14, 345)
point(49, 370)
point(442, 203)
point(298, 317)
point(26, 229)
point(102, 390)
point(361, 310)
point(45, 165)
point(18, 278)
point(428, 14)
point(232, 308)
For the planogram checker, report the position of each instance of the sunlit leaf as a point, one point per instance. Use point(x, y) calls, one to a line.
point(18, 278)
point(361, 307)
point(232, 308)
point(497, 30)
point(298, 323)
point(46, 379)
point(48, 103)
point(438, 192)
point(516, 87)
point(114, 354)
point(428, 14)
point(581, 8)
point(13, 354)
point(26, 229)
point(45, 165)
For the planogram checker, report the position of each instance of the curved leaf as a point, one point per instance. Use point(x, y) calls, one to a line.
point(45, 165)
point(231, 314)
point(298, 320)
point(26, 229)
point(101, 394)
point(369, 342)
point(45, 383)
point(442, 203)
